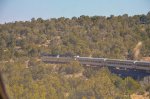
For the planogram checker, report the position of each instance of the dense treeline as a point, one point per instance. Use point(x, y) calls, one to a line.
point(97, 36)
point(68, 81)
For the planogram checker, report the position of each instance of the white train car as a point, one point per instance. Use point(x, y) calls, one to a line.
point(142, 65)
point(91, 61)
point(120, 63)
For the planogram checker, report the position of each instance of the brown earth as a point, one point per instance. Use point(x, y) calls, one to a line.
point(145, 59)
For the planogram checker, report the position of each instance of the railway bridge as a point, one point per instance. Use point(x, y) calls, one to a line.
point(124, 68)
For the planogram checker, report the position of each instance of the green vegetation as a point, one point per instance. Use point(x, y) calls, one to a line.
point(49, 81)
point(97, 36)
point(26, 77)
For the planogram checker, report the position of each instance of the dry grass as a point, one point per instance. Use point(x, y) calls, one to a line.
point(136, 96)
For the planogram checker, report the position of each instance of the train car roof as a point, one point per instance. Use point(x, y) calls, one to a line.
point(142, 62)
point(121, 60)
point(91, 58)
point(130, 61)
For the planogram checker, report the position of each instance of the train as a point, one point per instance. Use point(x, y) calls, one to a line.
point(90, 61)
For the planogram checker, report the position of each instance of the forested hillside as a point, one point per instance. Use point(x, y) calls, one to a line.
point(27, 77)
point(68, 81)
point(97, 36)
